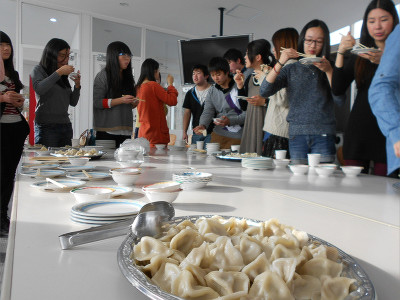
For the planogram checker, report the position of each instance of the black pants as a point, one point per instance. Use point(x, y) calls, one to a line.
point(12, 139)
point(119, 139)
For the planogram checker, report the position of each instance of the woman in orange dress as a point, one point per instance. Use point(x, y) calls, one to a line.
point(151, 111)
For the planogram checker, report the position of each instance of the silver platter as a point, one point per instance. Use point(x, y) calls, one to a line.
point(351, 269)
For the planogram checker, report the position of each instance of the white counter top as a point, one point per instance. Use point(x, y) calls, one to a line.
point(361, 216)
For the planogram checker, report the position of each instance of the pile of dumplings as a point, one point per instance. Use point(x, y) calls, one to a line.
point(243, 155)
point(229, 259)
point(80, 152)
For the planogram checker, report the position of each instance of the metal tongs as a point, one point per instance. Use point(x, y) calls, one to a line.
point(148, 222)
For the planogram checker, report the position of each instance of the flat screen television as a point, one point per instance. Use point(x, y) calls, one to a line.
point(200, 51)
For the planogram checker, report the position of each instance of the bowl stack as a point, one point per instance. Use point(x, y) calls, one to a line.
point(212, 147)
point(192, 180)
point(107, 144)
point(125, 176)
point(257, 163)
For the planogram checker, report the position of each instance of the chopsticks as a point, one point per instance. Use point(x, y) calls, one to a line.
point(87, 174)
point(298, 53)
point(60, 185)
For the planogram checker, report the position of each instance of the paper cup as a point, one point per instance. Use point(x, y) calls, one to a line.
point(235, 148)
point(313, 159)
point(75, 142)
point(200, 145)
point(280, 154)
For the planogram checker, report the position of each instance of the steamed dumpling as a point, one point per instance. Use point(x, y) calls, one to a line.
point(227, 283)
point(185, 286)
point(225, 256)
point(166, 276)
point(318, 267)
point(256, 267)
point(271, 287)
point(186, 240)
point(335, 288)
point(149, 247)
point(304, 287)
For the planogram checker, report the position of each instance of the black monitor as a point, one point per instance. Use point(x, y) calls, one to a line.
point(200, 51)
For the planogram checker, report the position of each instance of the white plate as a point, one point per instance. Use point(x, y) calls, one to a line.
point(95, 175)
point(95, 156)
point(76, 168)
point(310, 60)
point(41, 166)
point(43, 173)
point(107, 208)
point(120, 190)
point(358, 51)
point(91, 222)
point(47, 186)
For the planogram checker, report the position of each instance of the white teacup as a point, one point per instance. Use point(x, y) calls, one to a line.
point(235, 148)
point(75, 142)
point(314, 159)
point(280, 154)
point(200, 145)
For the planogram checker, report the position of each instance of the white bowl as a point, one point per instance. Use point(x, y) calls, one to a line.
point(130, 163)
point(281, 163)
point(160, 146)
point(166, 186)
point(123, 154)
point(91, 193)
point(124, 179)
point(352, 171)
point(324, 171)
point(299, 169)
point(168, 196)
point(78, 161)
point(126, 171)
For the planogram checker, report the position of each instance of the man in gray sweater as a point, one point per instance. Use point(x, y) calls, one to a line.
point(222, 102)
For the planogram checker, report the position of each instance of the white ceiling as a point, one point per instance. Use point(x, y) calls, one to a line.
point(201, 18)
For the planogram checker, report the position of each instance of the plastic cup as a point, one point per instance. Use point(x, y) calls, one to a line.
point(75, 142)
point(314, 159)
point(200, 145)
point(280, 154)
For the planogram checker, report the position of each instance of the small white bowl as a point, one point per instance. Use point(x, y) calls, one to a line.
point(124, 179)
point(91, 193)
point(351, 171)
point(299, 169)
point(324, 171)
point(126, 171)
point(78, 161)
point(281, 163)
point(130, 163)
point(166, 186)
point(168, 196)
point(160, 146)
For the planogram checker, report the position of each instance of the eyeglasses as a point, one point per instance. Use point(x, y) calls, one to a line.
point(310, 42)
point(62, 56)
point(126, 55)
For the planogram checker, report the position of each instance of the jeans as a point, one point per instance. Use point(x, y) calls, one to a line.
point(200, 137)
point(301, 145)
point(53, 135)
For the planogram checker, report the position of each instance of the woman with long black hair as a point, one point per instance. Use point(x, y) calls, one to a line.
point(363, 140)
point(151, 112)
point(53, 127)
point(13, 126)
point(311, 117)
point(114, 96)
point(258, 56)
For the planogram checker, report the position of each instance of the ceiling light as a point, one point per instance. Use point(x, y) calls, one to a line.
point(53, 20)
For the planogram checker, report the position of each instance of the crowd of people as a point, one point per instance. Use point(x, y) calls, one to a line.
point(263, 100)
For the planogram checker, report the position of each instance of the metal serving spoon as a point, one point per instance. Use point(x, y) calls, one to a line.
point(165, 211)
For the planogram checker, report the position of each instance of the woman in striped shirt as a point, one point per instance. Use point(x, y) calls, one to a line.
point(13, 126)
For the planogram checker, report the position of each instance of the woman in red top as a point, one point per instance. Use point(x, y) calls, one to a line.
point(151, 111)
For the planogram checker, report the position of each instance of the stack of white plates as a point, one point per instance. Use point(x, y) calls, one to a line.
point(257, 163)
point(107, 144)
point(105, 211)
point(192, 180)
point(212, 147)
